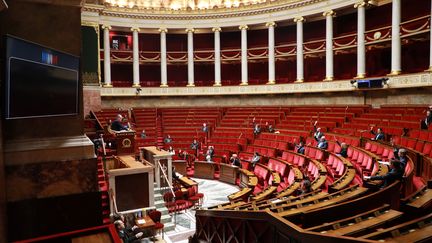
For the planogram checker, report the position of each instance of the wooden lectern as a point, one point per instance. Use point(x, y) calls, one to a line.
point(125, 141)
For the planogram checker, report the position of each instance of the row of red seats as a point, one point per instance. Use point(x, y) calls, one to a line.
point(270, 143)
point(421, 135)
point(286, 173)
point(269, 152)
point(384, 151)
point(415, 144)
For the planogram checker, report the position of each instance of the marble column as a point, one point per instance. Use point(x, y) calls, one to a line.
point(244, 59)
point(190, 50)
point(395, 38)
point(271, 53)
point(361, 48)
point(300, 68)
point(329, 44)
point(136, 62)
point(217, 56)
point(163, 58)
point(107, 56)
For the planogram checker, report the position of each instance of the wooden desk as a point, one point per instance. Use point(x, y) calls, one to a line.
point(247, 178)
point(204, 170)
point(180, 166)
point(242, 194)
point(148, 228)
point(228, 173)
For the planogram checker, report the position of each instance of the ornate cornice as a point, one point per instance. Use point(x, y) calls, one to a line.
point(271, 24)
point(396, 82)
point(218, 29)
point(243, 27)
point(248, 10)
point(329, 13)
point(299, 19)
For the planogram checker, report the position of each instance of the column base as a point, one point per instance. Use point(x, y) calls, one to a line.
point(429, 69)
point(164, 86)
point(328, 79)
point(107, 85)
point(243, 84)
point(299, 81)
point(136, 86)
point(360, 76)
point(394, 73)
point(190, 85)
point(271, 82)
point(217, 85)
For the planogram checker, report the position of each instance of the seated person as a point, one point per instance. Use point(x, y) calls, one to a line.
point(396, 172)
point(117, 125)
point(322, 143)
point(205, 128)
point(317, 132)
point(427, 121)
point(255, 159)
point(344, 148)
point(257, 129)
point(299, 147)
point(128, 236)
point(98, 142)
point(402, 157)
point(143, 134)
point(379, 134)
point(210, 153)
point(168, 139)
point(270, 128)
point(195, 145)
point(306, 186)
point(235, 160)
point(174, 173)
point(171, 150)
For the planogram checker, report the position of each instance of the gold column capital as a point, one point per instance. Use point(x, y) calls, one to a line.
point(329, 13)
point(135, 29)
point(361, 4)
point(165, 30)
point(106, 27)
point(216, 29)
point(192, 30)
point(243, 27)
point(271, 24)
point(299, 19)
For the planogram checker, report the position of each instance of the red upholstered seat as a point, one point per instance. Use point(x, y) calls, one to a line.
point(156, 217)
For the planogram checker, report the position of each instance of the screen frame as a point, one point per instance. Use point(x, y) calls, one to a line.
point(9, 53)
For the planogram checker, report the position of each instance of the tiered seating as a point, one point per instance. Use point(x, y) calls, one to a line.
point(145, 119)
point(106, 115)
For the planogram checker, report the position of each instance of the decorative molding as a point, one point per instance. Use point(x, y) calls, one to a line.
point(271, 11)
point(190, 30)
point(135, 29)
point(243, 27)
point(329, 13)
point(361, 3)
point(165, 30)
point(218, 29)
point(104, 27)
point(269, 24)
point(299, 19)
point(417, 80)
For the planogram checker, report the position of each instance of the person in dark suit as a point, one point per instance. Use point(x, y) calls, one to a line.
point(168, 139)
point(344, 148)
point(317, 132)
point(379, 134)
point(255, 159)
point(117, 125)
point(322, 143)
point(427, 121)
point(126, 235)
point(205, 128)
point(299, 148)
point(235, 160)
point(396, 172)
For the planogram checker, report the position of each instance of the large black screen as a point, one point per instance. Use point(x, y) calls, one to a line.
point(38, 89)
point(40, 81)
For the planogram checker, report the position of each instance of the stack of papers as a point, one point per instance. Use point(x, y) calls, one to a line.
point(141, 221)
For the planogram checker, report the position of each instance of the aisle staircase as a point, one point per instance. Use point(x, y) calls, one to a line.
point(166, 218)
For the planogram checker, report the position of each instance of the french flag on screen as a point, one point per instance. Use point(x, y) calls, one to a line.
point(49, 58)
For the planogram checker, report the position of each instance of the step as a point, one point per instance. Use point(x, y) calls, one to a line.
point(157, 197)
point(169, 227)
point(159, 203)
point(163, 210)
point(166, 218)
